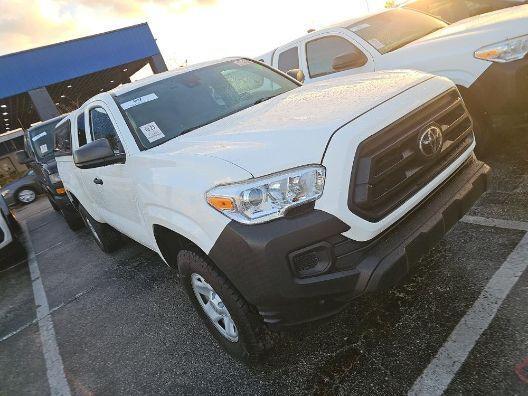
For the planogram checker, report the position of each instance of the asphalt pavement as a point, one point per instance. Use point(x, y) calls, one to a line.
point(122, 323)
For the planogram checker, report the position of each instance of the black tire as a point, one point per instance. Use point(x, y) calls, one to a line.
point(253, 337)
point(105, 236)
point(73, 219)
point(22, 189)
point(53, 204)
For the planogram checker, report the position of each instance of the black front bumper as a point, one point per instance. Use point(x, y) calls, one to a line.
point(260, 259)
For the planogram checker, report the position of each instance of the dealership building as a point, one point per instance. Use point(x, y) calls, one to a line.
point(42, 83)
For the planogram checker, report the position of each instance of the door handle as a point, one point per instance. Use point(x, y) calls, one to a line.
point(98, 181)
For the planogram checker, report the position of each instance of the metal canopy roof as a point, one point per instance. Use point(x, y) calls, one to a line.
point(72, 71)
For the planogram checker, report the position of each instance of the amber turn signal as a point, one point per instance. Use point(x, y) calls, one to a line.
point(221, 203)
point(60, 191)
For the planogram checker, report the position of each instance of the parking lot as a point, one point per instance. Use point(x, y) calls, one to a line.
point(123, 325)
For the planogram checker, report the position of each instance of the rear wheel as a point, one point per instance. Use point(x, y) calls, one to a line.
point(105, 236)
point(229, 318)
point(26, 195)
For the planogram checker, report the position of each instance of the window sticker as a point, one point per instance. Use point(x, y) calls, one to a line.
point(35, 138)
point(138, 101)
point(44, 148)
point(376, 43)
point(357, 28)
point(152, 132)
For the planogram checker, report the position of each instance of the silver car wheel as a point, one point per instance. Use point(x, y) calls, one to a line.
point(26, 196)
point(214, 308)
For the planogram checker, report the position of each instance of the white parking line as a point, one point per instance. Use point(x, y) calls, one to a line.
point(54, 368)
point(508, 224)
point(442, 369)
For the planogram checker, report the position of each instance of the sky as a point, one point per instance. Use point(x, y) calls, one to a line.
point(186, 30)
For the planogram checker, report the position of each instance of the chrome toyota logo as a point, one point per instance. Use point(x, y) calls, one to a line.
point(430, 141)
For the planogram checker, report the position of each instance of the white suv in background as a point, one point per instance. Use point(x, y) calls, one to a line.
point(278, 203)
point(485, 56)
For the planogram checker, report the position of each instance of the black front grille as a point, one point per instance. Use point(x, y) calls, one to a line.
point(390, 167)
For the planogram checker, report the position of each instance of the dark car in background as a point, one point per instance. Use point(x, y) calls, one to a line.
point(38, 154)
point(22, 191)
point(10, 247)
point(453, 11)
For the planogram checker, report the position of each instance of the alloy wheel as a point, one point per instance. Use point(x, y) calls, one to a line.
point(214, 308)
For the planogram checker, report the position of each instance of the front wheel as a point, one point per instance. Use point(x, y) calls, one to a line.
point(229, 318)
point(72, 218)
point(105, 236)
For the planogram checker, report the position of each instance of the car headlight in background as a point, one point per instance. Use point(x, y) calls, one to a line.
point(55, 178)
point(265, 198)
point(505, 51)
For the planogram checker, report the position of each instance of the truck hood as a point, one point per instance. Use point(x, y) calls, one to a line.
point(294, 128)
point(489, 28)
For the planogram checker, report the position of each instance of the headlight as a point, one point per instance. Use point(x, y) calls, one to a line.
point(4, 193)
point(505, 51)
point(269, 197)
point(55, 178)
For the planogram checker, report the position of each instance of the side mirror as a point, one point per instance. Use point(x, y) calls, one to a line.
point(22, 157)
point(297, 74)
point(96, 154)
point(349, 60)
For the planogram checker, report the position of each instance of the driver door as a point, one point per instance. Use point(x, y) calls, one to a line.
point(110, 185)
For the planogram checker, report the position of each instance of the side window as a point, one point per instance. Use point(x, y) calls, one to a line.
point(320, 54)
point(289, 60)
point(101, 126)
point(63, 139)
point(81, 131)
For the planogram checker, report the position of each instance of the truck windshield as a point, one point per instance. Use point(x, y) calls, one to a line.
point(167, 108)
point(393, 29)
point(41, 139)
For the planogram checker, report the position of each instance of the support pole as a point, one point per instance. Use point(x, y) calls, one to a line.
point(43, 104)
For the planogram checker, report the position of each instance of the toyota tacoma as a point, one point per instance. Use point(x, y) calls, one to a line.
point(277, 203)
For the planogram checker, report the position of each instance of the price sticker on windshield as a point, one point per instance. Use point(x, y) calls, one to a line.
point(152, 132)
point(44, 149)
point(139, 101)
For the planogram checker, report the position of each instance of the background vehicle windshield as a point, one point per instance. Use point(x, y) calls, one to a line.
point(162, 110)
point(393, 29)
point(455, 10)
point(42, 140)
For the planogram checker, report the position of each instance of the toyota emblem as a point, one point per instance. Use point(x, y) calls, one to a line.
point(430, 141)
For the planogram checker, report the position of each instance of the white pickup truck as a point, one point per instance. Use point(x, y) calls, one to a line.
point(278, 203)
point(485, 56)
